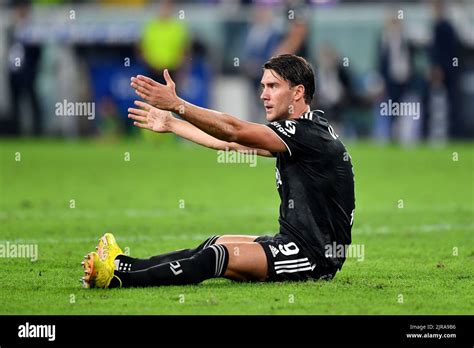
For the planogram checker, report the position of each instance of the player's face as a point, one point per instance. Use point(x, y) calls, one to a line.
point(277, 96)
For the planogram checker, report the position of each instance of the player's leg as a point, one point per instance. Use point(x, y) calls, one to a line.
point(134, 264)
point(236, 261)
point(247, 262)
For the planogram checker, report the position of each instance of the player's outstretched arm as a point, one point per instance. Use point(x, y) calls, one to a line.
point(160, 121)
point(217, 124)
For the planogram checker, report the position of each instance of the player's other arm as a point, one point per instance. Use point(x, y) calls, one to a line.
point(160, 121)
point(217, 124)
point(189, 131)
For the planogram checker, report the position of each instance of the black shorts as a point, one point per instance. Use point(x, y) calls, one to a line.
point(287, 260)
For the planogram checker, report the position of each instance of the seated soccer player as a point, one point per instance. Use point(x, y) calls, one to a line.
point(314, 179)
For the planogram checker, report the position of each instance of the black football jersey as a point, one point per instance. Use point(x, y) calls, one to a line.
point(315, 181)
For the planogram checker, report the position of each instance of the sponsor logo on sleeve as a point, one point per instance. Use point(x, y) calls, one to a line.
point(290, 127)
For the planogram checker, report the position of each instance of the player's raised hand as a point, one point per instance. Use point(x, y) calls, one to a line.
point(161, 96)
point(151, 118)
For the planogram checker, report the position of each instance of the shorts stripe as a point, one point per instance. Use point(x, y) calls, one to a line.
point(290, 261)
point(293, 270)
point(293, 266)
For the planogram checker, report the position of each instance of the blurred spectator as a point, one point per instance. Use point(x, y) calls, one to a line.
point(294, 41)
point(437, 106)
point(396, 68)
point(333, 86)
point(261, 40)
point(164, 42)
point(110, 127)
point(196, 81)
point(22, 72)
point(444, 53)
point(265, 39)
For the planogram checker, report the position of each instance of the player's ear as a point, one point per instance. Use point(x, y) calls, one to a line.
point(299, 92)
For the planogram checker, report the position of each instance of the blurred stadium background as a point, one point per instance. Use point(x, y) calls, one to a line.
point(364, 52)
point(65, 180)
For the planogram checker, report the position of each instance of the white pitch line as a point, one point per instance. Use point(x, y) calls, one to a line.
point(78, 213)
point(122, 238)
point(357, 231)
point(426, 228)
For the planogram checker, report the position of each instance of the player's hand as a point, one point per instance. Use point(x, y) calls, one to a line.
point(160, 96)
point(151, 118)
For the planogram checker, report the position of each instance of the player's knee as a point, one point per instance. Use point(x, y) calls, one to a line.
point(246, 263)
point(208, 242)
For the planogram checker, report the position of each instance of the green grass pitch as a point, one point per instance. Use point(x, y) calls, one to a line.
point(414, 216)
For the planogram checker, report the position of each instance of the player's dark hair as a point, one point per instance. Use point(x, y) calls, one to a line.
point(296, 70)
